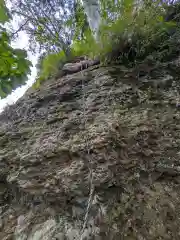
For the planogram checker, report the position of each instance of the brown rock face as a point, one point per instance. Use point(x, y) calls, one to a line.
point(98, 147)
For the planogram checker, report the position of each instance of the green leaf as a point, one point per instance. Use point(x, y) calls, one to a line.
point(14, 66)
point(4, 17)
point(20, 53)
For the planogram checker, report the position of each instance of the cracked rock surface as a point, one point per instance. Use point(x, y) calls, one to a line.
point(126, 130)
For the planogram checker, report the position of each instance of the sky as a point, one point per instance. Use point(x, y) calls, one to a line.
point(20, 42)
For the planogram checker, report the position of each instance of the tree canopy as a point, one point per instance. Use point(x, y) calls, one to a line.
point(46, 22)
point(14, 65)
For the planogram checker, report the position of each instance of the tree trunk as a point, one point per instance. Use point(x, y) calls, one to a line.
point(92, 10)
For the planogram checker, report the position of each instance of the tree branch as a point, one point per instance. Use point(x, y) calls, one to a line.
point(20, 28)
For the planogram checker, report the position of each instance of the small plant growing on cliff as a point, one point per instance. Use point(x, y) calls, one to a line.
point(48, 66)
point(129, 33)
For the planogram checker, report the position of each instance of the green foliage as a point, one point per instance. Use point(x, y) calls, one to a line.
point(4, 14)
point(86, 46)
point(81, 23)
point(49, 65)
point(127, 35)
point(14, 65)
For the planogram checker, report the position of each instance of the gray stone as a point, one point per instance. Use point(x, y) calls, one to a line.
point(59, 236)
point(92, 142)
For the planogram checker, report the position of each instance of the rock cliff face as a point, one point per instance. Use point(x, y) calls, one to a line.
point(93, 155)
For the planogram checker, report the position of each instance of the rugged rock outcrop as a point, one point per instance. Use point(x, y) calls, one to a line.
point(99, 148)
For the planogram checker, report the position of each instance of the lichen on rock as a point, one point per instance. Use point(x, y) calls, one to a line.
point(103, 120)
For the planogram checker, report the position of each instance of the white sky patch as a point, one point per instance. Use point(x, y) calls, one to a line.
point(21, 42)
